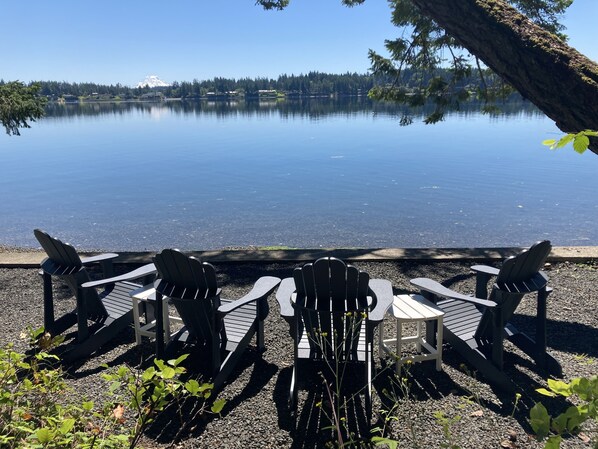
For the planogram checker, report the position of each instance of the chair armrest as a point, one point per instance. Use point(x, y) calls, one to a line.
point(98, 258)
point(143, 271)
point(145, 293)
point(283, 296)
point(381, 290)
point(485, 269)
point(428, 285)
point(262, 288)
point(483, 274)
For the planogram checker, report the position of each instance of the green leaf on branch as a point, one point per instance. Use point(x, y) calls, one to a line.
point(192, 386)
point(554, 442)
point(217, 406)
point(580, 140)
point(559, 387)
point(581, 143)
point(546, 392)
point(178, 361)
point(67, 426)
point(168, 372)
point(540, 420)
point(379, 441)
point(43, 435)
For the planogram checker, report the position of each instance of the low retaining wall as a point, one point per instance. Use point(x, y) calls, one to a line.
point(31, 259)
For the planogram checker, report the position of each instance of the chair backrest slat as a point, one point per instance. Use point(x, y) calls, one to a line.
point(518, 275)
point(352, 287)
point(192, 288)
point(362, 290)
point(299, 286)
point(338, 286)
point(331, 297)
point(61, 253)
point(523, 266)
point(322, 275)
point(309, 285)
point(187, 276)
point(63, 260)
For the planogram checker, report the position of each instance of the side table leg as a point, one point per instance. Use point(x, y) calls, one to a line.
point(381, 340)
point(136, 322)
point(439, 341)
point(399, 341)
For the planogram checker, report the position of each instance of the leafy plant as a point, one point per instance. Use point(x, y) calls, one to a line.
point(570, 421)
point(447, 423)
point(36, 409)
point(333, 348)
point(146, 394)
point(389, 416)
point(580, 141)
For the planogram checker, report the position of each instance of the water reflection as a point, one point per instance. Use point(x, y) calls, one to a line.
point(298, 173)
point(314, 109)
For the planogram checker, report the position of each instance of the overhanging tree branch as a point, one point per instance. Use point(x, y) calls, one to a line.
point(558, 79)
point(19, 105)
point(519, 40)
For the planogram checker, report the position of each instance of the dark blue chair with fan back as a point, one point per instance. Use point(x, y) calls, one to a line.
point(477, 326)
point(223, 326)
point(332, 309)
point(110, 311)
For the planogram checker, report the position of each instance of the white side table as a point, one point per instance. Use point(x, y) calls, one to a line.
point(148, 294)
point(414, 309)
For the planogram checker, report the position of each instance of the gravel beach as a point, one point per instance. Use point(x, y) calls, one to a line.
point(256, 416)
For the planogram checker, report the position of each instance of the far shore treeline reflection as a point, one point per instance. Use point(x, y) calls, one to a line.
point(306, 108)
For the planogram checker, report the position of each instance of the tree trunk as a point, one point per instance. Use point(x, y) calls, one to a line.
point(558, 79)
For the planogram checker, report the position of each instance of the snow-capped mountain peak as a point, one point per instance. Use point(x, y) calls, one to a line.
point(152, 81)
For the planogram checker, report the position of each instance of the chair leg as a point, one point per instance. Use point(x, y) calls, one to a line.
point(166, 321)
point(261, 345)
point(136, 320)
point(293, 399)
point(497, 338)
point(368, 389)
point(439, 340)
point(540, 355)
point(158, 313)
point(48, 303)
point(398, 348)
point(82, 329)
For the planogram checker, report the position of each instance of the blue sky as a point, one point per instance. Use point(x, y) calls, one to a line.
point(123, 41)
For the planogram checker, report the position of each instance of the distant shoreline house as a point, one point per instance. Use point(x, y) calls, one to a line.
point(67, 98)
point(267, 93)
point(152, 96)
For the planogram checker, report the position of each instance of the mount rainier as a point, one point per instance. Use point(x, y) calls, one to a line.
point(152, 81)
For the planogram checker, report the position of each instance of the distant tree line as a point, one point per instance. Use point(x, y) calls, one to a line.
point(311, 84)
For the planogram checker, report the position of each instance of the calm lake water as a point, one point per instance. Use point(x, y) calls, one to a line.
point(299, 174)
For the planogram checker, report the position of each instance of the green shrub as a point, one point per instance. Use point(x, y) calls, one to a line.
point(569, 422)
point(35, 410)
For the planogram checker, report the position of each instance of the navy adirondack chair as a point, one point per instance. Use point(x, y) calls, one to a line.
point(332, 309)
point(110, 311)
point(224, 326)
point(477, 326)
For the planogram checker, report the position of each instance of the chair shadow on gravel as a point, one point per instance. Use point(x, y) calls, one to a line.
point(564, 336)
point(421, 382)
point(313, 426)
point(170, 427)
